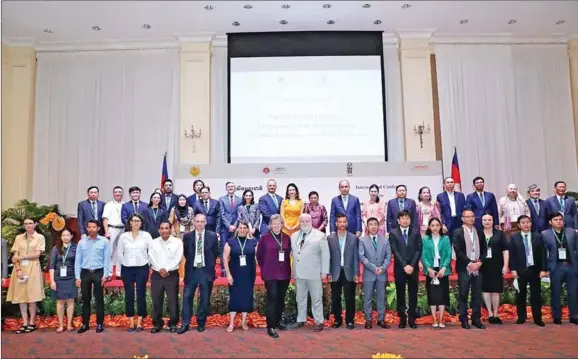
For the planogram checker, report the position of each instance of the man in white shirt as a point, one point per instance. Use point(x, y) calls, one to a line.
point(165, 255)
point(113, 226)
point(452, 203)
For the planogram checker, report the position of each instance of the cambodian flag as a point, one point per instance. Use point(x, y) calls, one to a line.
point(165, 173)
point(456, 171)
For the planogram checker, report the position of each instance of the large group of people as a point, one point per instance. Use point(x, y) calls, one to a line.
point(179, 238)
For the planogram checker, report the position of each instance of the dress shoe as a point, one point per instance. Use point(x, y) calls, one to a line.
point(539, 323)
point(574, 321)
point(173, 329)
point(281, 327)
point(383, 324)
point(478, 325)
point(155, 330)
point(201, 328)
point(412, 325)
point(368, 324)
point(491, 320)
point(337, 325)
point(465, 325)
point(350, 326)
point(318, 327)
point(183, 329)
point(520, 321)
point(99, 328)
point(402, 325)
point(82, 329)
point(497, 320)
point(272, 333)
point(558, 321)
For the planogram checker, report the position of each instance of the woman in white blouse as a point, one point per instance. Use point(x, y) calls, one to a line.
point(510, 207)
point(133, 247)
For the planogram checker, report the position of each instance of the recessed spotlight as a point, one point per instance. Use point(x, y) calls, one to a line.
point(236, 23)
point(208, 7)
point(96, 28)
point(560, 22)
point(377, 22)
point(326, 6)
point(366, 6)
point(283, 22)
point(464, 21)
point(513, 21)
point(48, 31)
point(146, 26)
point(405, 6)
point(248, 6)
point(285, 6)
point(330, 22)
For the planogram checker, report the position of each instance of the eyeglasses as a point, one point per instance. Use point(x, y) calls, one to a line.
point(135, 220)
point(28, 223)
point(469, 216)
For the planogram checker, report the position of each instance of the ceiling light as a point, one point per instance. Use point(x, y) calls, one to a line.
point(248, 6)
point(96, 28)
point(330, 22)
point(405, 6)
point(48, 31)
point(464, 21)
point(285, 6)
point(366, 6)
point(513, 21)
point(208, 7)
point(236, 23)
point(326, 6)
point(283, 22)
point(560, 22)
point(146, 26)
point(377, 22)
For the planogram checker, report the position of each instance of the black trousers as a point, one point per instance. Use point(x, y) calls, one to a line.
point(529, 276)
point(411, 280)
point(276, 290)
point(91, 280)
point(348, 288)
point(160, 286)
point(467, 282)
point(198, 278)
point(138, 276)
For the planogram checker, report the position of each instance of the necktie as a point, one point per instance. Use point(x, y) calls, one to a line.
point(275, 200)
point(562, 204)
point(94, 213)
point(206, 206)
point(527, 245)
point(168, 201)
point(231, 202)
point(344, 200)
point(135, 207)
point(200, 247)
point(537, 206)
point(482, 199)
point(401, 208)
point(405, 236)
point(374, 241)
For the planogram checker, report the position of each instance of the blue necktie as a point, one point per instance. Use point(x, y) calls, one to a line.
point(401, 208)
point(405, 236)
point(482, 199)
point(562, 204)
point(527, 245)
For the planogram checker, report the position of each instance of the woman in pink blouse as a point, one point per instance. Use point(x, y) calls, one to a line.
point(375, 208)
point(426, 209)
point(317, 211)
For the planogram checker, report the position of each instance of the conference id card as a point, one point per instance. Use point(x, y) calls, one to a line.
point(281, 256)
point(562, 254)
point(63, 271)
point(25, 262)
point(198, 260)
point(242, 261)
point(182, 228)
point(530, 260)
point(489, 253)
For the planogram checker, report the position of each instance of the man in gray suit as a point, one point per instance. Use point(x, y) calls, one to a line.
point(310, 267)
point(344, 271)
point(375, 255)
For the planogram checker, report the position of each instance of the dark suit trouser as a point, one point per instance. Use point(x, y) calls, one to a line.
point(411, 280)
point(348, 288)
point(456, 223)
point(130, 277)
point(276, 290)
point(160, 286)
point(530, 276)
point(563, 273)
point(198, 278)
point(466, 283)
point(89, 281)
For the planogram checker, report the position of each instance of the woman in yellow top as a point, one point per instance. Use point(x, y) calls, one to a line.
point(290, 210)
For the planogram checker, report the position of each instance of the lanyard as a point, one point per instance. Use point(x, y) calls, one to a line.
point(66, 255)
point(155, 212)
point(558, 239)
point(488, 239)
point(27, 244)
point(279, 242)
point(242, 246)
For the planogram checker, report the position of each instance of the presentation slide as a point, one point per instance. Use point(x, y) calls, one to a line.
point(306, 109)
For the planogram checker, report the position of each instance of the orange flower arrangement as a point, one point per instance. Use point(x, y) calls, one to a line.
point(58, 222)
point(48, 218)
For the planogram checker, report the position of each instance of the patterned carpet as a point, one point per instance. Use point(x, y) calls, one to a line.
point(506, 341)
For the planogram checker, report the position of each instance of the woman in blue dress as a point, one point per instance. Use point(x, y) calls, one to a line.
point(239, 258)
point(62, 280)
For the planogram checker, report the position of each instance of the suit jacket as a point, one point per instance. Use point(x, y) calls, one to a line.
point(150, 224)
point(127, 210)
point(550, 241)
point(251, 215)
point(84, 214)
point(462, 259)
point(228, 214)
point(213, 214)
point(267, 208)
point(539, 220)
point(372, 260)
point(474, 203)
point(312, 259)
point(4, 258)
point(446, 210)
point(210, 249)
point(403, 254)
point(393, 210)
point(173, 202)
point(570, 212)
point(192, 199)
point(518, 260)
point(352, 212)
point(350, 256)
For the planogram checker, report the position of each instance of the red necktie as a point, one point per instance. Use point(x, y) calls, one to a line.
point(232, 202)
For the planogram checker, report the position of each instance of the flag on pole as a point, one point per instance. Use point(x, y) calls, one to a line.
point(456, 171)
point(165, 171)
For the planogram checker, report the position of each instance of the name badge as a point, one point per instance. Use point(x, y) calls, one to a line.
point(242, 261)
point(562, 254)
point(182, 228)
point(281, 256)
point(198, 260)
point(25, 262)
point(63, 271)
point(530, 260)
point(489, 254)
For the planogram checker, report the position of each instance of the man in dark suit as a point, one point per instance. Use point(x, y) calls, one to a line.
point(169, 199)
point(269, 204)
point(452, 204)
point(538, 209)
point(135, 205)
point(406, 247)
point(396, 205)
point(91, 208)
point(348, 205)
point(560, 202)
point(562, 246)
point(211, 208)
point(201, 249)
point(471, 249)
point(228, 205)
point(481, 202)
point(343, 271)
point(528, 266)
point(197, 185)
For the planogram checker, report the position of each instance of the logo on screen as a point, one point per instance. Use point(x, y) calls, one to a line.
point(266, 170)
point(349, 168)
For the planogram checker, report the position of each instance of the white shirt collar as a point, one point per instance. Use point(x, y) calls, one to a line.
point(404, 229)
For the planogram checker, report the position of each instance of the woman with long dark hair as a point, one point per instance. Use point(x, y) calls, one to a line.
point(249, 212)
point(154, 215)
point(62, 281)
